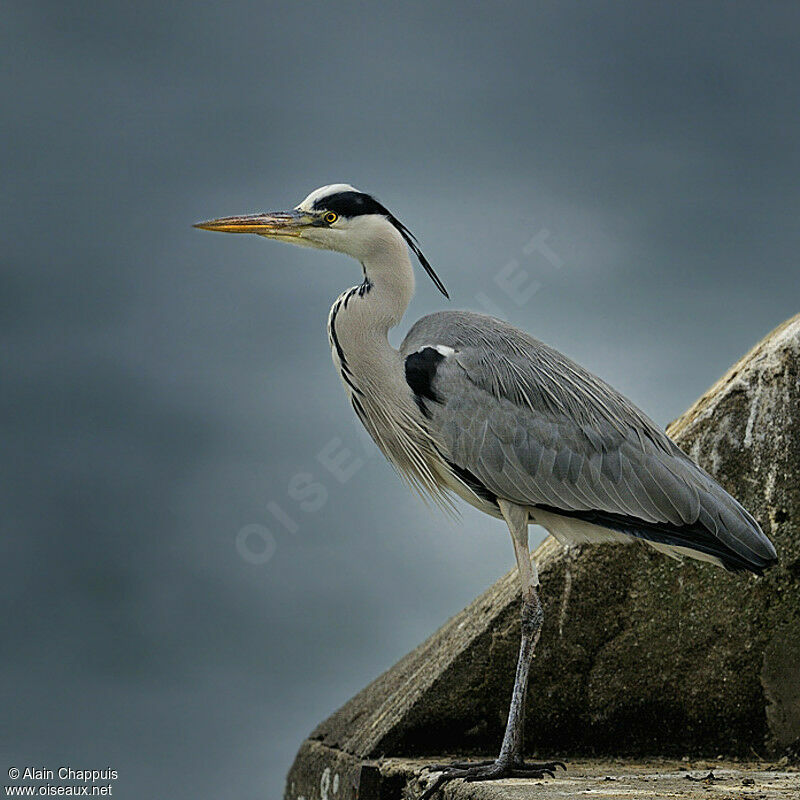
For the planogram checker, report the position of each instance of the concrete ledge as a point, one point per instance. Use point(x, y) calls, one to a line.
point(340, 777)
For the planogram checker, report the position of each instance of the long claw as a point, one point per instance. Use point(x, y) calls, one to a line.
point(547, 766)
point(538, 773)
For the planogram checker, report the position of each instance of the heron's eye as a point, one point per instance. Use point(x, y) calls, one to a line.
point(330, 217)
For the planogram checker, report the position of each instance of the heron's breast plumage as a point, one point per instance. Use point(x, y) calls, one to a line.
point(373, 377)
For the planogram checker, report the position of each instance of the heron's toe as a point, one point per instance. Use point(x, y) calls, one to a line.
point(487, 771)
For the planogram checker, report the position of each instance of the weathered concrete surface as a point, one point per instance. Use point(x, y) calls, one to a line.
point(620, 779)
point(610, 779)
point(639, 654)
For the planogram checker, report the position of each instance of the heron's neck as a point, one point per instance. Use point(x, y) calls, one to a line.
point(362, 316)
point(379, 303)
point(373, 372)
point(390, 277)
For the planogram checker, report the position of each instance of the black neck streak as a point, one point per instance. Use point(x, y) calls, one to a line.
point(359, 291)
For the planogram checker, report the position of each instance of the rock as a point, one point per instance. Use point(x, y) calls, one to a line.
point(639, 654)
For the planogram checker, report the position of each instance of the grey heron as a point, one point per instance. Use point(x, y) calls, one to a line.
point(473, 407)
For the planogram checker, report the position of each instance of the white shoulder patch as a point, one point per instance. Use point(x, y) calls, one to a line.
point(441, 349)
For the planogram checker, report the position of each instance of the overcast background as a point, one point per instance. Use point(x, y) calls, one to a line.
point(162, 386)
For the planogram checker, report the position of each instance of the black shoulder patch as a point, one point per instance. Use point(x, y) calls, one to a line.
point(420, 372)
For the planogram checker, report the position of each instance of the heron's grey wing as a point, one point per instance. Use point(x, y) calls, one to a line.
point(531, 426)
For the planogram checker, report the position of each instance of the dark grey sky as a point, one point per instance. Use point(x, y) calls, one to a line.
point(163, 387)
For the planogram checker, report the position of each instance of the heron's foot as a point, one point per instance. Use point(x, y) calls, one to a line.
point(487, 771)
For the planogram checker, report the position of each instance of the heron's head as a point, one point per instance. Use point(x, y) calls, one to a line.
point(336, 217)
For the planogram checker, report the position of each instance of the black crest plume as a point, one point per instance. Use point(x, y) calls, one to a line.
point(412, 243)
point(354, 204)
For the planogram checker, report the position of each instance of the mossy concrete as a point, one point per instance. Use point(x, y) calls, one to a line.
point(639, 654)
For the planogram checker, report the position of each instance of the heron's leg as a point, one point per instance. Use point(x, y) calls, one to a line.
point(510, 764)
point(516, 517)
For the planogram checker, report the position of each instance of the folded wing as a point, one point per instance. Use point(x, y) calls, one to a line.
point(531, 426)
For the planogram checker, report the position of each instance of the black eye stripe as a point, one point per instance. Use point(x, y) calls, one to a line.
point(350, 204)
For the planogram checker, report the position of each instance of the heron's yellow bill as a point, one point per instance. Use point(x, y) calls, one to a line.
point(279, 223)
